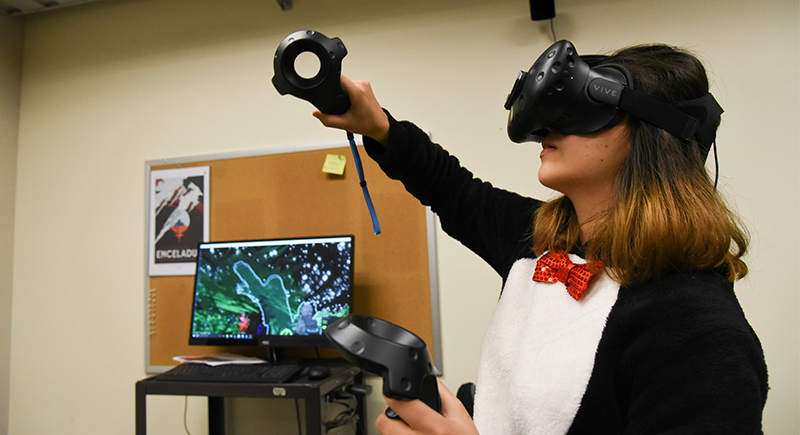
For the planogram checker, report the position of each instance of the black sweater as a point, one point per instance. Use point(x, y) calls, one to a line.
point(672, 355)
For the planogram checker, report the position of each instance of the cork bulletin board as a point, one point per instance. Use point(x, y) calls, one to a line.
point(284, 193)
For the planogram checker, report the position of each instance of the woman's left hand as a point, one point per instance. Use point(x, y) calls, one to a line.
point(418, 418)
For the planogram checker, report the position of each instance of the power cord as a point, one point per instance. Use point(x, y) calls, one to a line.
point(343, 419)
point(347, 416)
point(348, 397)
point(185, 411)
point(297, 413)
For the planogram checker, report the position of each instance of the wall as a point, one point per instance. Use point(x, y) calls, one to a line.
point(10, 76)
point(109, 85)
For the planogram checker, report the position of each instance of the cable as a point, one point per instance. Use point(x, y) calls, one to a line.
point(297, 412)
point(716, 165)
point(185, 410)
point(347, 416)
point(376, 227)
point(344, 418)
point(553, 30)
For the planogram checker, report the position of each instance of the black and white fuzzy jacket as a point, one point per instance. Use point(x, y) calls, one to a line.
point(674, 355)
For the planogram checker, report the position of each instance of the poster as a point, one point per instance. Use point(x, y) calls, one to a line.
point(178, 219)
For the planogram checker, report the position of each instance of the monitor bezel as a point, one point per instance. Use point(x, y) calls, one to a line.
point(271, 340)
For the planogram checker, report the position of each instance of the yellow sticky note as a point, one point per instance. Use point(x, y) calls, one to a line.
point(334, 164)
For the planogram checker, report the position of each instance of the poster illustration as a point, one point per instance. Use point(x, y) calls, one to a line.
point(178, 219)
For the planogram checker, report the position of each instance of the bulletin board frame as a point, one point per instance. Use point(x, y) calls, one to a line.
point(395, 271)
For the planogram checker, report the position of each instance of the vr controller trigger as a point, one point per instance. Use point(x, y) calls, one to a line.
point(429, 395)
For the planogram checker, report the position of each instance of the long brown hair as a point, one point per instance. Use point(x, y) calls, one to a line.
point(667, 214)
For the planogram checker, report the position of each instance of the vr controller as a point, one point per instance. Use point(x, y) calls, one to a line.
point(398, 355)
point(324, 90)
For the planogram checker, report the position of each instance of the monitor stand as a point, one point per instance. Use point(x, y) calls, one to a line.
point(274, 354)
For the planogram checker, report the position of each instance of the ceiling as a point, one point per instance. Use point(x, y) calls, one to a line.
point(21, 7)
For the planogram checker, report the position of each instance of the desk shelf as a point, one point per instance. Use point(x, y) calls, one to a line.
point(313, 392)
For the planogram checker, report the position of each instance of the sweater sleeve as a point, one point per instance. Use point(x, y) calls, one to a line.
point(491, 222)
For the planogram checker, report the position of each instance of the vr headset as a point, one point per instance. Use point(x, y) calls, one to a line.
point(574, 94)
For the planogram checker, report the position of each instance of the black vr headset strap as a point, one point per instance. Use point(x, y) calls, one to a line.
point(694, 119)
point(707, 111)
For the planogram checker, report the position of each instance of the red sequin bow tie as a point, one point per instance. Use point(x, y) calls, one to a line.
point(556, 267)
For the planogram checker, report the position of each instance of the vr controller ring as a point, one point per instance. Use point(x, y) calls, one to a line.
point(381, 347)
point(295, 49)
point(324, 90)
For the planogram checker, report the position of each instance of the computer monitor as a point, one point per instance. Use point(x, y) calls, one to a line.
point(276, 293)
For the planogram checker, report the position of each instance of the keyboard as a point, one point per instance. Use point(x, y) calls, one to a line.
point(260, 373)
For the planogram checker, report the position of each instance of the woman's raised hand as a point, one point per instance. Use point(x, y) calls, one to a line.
point(365, 116)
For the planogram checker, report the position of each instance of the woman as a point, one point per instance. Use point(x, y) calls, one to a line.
point(656, 342)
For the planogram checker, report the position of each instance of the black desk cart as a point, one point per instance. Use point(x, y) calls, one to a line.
point(313, 392)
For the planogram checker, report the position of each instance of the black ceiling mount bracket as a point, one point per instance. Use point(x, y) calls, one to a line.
point(286, 5)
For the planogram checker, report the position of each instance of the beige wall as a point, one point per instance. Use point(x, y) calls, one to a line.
point(109, 85)
point(10, 75)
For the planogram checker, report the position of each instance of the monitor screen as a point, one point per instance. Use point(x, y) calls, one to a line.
point(271, 292)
